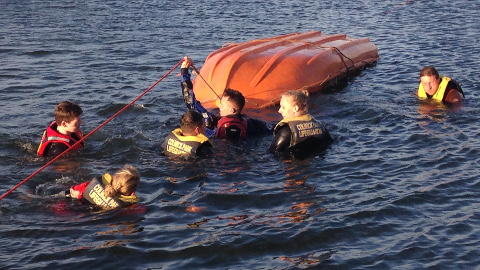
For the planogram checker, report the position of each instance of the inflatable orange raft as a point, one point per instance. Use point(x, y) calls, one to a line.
point(263, 69)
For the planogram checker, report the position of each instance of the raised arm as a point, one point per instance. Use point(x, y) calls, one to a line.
point(189, 96)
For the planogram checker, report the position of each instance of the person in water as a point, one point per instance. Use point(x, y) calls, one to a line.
point(189, 139)
point(298, 134)
point(441, 89)
point(108, 191)
point(231, 124)
point(63, 132)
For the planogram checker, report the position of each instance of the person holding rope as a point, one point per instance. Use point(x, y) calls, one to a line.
point(442, 89)
point(63, 132)
point(298, 135)
point(81, 141)
point(231, 124)
point(189, 140)
point(108, 191)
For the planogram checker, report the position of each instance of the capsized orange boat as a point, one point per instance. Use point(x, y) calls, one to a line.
point(263, 69)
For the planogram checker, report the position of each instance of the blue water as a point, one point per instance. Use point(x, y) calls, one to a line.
point(398, 189)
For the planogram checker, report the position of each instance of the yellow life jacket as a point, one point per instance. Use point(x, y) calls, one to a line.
point(178, 144)
point(95, 194)
point(439, 95)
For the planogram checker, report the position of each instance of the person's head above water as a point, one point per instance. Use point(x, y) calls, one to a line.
point(192, 123)
point(294, 103)
point(232, 102)
point(430, 79)
point(124, 182)
point(67, 117)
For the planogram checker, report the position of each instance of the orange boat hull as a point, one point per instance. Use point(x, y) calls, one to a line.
point(263, 69)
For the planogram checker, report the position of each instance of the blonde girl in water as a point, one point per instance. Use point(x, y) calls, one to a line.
point(298, 134)
point(109, 191)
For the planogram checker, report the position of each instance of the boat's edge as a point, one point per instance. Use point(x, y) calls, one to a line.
point(226, 61)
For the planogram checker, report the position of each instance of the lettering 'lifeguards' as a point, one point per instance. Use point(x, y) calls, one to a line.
point(308, 129)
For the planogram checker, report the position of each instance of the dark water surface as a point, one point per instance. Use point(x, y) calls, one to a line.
point(397, 190)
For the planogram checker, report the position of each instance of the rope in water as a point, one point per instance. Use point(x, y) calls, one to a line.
point(91, 132)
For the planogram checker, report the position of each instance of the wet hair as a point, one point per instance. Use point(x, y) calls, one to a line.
point(236, 97)
point(124, 182)
point(191, 120)
point(299, 98)
point(429, 71)
point(66, 111)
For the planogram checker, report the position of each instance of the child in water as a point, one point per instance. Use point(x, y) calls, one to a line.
point(62, 133)
point(109, 191)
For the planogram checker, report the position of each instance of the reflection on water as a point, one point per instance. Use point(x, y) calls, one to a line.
point(309, 260)
point(300, 212)
point(436, 111)
point(125, 228)
point(397, 189)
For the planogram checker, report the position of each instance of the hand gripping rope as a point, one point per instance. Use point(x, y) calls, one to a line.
point(91, 132)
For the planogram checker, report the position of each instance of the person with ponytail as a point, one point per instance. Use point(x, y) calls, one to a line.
point(109, 191)
point(298, 134)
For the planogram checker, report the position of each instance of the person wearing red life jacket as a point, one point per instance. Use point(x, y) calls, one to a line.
point(231, 124)
point(439, 88)
point(63, 132)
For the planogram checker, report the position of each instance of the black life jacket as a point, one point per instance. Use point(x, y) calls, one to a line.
point(308, 136)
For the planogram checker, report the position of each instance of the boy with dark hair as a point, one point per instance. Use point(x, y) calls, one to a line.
point(63, 132)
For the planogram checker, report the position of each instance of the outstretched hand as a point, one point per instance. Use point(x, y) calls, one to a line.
point(187, 62)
